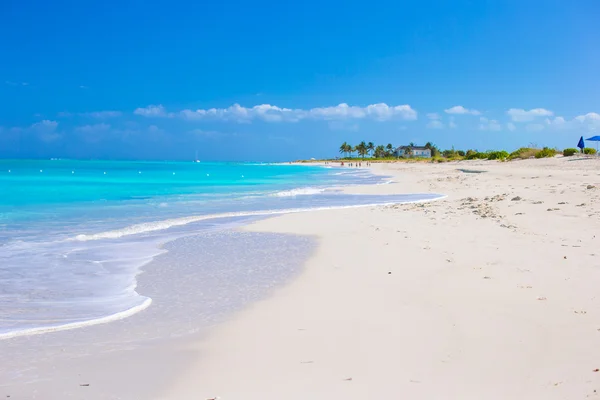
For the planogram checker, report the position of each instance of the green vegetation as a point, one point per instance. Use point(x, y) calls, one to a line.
point(475, 155)
point(523, 153)
point(546, 152)
point(498, 155)
point(381, 152)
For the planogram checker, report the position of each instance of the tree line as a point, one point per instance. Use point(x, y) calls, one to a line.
point(369, 149)
point(533, 151)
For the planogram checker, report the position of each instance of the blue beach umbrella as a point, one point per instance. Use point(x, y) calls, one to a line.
point(594, 139)
point(581, 143)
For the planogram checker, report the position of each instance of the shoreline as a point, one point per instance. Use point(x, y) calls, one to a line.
point(400, 300)
point(148, 227)
point(47, 340)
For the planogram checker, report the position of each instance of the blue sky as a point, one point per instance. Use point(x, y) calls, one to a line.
point(267, 80)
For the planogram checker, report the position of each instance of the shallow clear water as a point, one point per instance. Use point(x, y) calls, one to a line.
point(74, 234)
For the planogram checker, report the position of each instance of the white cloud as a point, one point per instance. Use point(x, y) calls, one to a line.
point(341, 111)
point(589, 117)
point(521, 115)
point(45, 130)
point(271, 113)
point(489, 125)
point(382, 112)
point(435, 124)
point(152, 111)
point(461, 110)
point(92, 128)
point(433, 116)
point(589, 122)
point(511, 127)
point(44, 126)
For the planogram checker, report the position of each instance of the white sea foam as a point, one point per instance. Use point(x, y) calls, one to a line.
point(169, 223)
point(299, 192)
point(79, 324)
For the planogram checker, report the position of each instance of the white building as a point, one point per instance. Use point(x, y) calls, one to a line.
point(413, 151)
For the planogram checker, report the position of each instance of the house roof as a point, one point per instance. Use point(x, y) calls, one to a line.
point(414, 147)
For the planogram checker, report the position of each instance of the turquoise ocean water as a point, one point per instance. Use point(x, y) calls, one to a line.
point(74, 234)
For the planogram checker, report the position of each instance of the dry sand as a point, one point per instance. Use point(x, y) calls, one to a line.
point(492, 293)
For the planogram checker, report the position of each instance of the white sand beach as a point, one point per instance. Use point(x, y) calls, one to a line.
point(491, 293)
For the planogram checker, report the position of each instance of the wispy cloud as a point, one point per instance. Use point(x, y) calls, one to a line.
point(461, 110)
point(45, 130)
point(152, 111)
point(83, 87)
point(11, 83)
point(489, 125)
point(433, 116)
point(452, 124)
point(271, 113)
point(521, 115)
point(510, 126)
point(101, 114)
point(96, 128)
point(435, 124)
point(92, 114)
point(45, 125)
point(534, 127)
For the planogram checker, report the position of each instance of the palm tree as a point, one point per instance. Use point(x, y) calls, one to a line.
point(370, 147)
point(411, 144)
point(344, 148)
point(433, 148)
point(348, 148)
point(352, 150)
point(389, 149)
point(379, 151)
point(408, 150)
point(362, 149)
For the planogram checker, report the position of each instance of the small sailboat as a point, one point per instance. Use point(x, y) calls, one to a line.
point(196, 158)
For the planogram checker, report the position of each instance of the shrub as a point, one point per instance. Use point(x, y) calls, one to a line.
point(497, 155)
point(475, 155)
point(461, 153)
point(589, 150)
point(570, 152)
point(546, 152)
point(470, 155)
point(523, 153)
